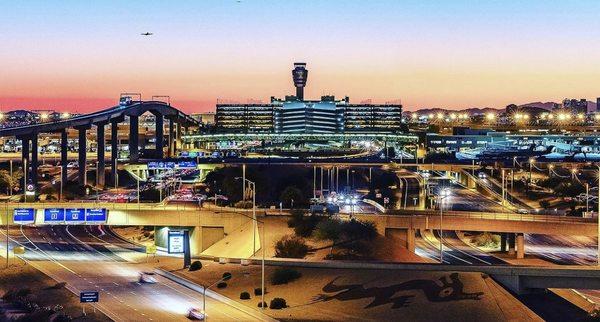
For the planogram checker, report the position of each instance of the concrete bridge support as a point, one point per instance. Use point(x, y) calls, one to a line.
point(82, 155)
point(201, 237)
point(134, 152)
point(159, 135)
point(170, 138)
point(406, 237)
point(114, 149)
point(63, 157)
point(520, 239)
point(100, 139)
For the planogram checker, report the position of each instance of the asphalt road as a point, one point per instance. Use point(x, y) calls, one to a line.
point(89, 258)
point(456, 252)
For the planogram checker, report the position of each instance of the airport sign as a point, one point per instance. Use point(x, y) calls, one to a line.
point(24, 216)
point(75, 215)
point(97, 215)
point(54, 215)
point(89, 296)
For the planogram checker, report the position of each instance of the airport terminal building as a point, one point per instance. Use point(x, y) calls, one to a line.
point(294, 114)
point(295, 123)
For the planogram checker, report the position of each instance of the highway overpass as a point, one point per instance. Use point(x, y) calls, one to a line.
point(28, 134)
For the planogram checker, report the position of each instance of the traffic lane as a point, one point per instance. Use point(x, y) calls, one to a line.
point(452, 240)
point(56, 241)
point(462, 199)
point(108, 236)
point(117, 283)
point(563, 250)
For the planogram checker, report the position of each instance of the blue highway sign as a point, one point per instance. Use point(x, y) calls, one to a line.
point(75, 215)
point(96, 215)
point(24, 216)
point(89, 296)
point(54, 215)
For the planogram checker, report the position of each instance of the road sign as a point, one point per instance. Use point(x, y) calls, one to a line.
point(24, 216)
point(151, 249)
point(99, 215)
point(186, 164)
point(75, 215)
point(54, 215)
point(89, 297)
point(176, 242)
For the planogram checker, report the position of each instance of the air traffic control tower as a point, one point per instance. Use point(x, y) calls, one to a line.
point(300, 75)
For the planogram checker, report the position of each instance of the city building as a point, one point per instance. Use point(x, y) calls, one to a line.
point(294, 114)
point(574, 105)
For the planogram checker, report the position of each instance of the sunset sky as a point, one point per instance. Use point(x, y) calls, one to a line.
point(79, 55)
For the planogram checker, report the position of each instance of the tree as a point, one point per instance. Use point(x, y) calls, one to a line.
point(7, 181)
point(291, 247)
point(292, 195)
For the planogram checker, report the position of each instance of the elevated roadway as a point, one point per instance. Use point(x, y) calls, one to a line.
point(28, 134)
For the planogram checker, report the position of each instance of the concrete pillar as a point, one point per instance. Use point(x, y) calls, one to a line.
point(502, 242)
point(34, 159)
point(196, 246)
point(134, 152)
point(410, 240)
point(63, 156)
point(159, 137)
point(170, 138)
point(511, 243)
point(82, 155)
point(101, 141)
point(114, 149)
point(520, 245)
point(178, 139)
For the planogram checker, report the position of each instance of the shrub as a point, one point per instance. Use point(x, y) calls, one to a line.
point(226, 276)
point(243, 204)
point(291, 247)
point(222, 285)
point(278, 303)
point(329, 229)
point(59, 285)
point(356, 229)
point(306, 226)
point(244, 296)
point(258, 291)
point(261, 304)
point(195, 266)
point(284, 275)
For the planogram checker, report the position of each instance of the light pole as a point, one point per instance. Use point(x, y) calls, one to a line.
point(587, 197)
point(531, 161)
point(7, 238)
point(445, 193)
point(252, 185)
point(227, 277)
point(598, 256)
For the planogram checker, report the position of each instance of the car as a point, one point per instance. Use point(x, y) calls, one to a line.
point(125, 101)
point(147, 277)
point(522, 211)
point(482, 175)
point(196, 314)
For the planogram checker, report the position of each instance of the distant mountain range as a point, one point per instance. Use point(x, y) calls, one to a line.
point(591, 106)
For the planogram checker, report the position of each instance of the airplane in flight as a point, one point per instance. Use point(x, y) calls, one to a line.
point(147, 34)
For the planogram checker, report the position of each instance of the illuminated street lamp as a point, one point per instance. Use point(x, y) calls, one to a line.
point(490, 116)
point(550, 168)
point(65, 115)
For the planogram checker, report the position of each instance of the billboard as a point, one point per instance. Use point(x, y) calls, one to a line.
point(24, 216)
point(175, 242)
point(54, 215)
point(75, 215)
point(99, 215)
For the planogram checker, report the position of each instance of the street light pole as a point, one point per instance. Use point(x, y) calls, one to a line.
point(598, 255)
